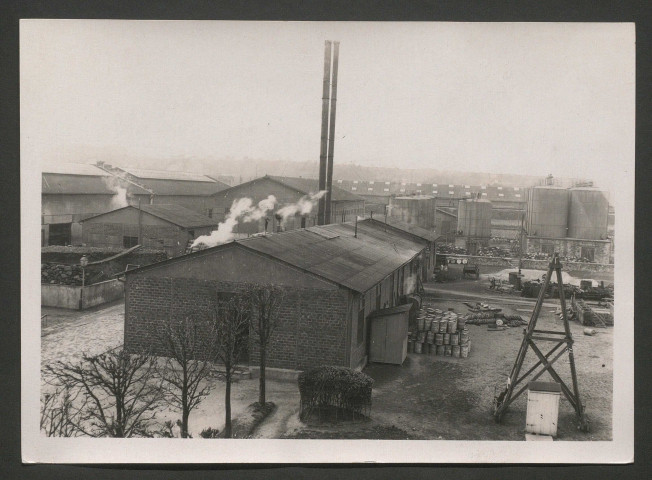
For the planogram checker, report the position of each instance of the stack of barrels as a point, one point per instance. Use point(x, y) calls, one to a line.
point(440, 333)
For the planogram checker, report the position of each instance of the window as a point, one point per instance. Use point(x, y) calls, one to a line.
point(516, 189)
point(303, 222)
point(450, 186)
point(402, 189)
point(501, 194)
point(360, 330)
point(371, 183)
point(483, 187)
point(354, 188)
point(355, 181)
point(434, 184)
point(467, 186)
point(518, 195)
point(378, 293)
point(588, 253)
point(386, 189)
point(548, 248)
point(370, 189)
point(339, 181)
point(418, 191)
point(467, 193)
point(210, 213)
point(484, 193)
point(226, 210)
point(451, 192)
point(434, 191)
point(386, 183)
point(418, 184)
point(128, 242)
point(500, 188)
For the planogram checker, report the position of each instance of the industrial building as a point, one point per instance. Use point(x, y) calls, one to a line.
point(572, 222)
point(71, 192)
point(414, 210)
point(190, 190)
point(345, 206)
point(164, 227)
point(335, 276)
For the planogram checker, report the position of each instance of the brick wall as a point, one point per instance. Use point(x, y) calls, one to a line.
point(313, 330)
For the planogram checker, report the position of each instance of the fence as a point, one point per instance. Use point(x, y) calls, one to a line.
point(71, 297)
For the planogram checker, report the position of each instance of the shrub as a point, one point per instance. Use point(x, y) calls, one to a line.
point(339, 387)
point(209, 432)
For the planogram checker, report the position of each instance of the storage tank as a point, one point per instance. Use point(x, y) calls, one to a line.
point(474, 218)
point(547, 212)
point(416, 210)
point(589, 213)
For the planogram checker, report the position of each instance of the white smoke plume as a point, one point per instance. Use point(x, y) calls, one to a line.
point(303, 207)
point(119, 200)
point(411, 284)
point(242, 210)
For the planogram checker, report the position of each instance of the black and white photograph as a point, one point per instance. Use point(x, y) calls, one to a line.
point(333, 242)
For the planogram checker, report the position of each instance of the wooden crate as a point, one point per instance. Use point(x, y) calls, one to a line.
point(542, 408)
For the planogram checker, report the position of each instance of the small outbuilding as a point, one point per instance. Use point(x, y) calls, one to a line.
point(165, 227)
point(389, 334)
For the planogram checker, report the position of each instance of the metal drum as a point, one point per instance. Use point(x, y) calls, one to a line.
point(410, 346)
point(418, 347)
point(447, 338)
point(455, 339)
point(456, 351)
point(464, 337)
point(439, 339)
point(464, 351)
point(443, 323)
point(461, 323)
point(440, 349)
point(421, 323)
point(421, 337)
point(448, 350)
point(434, 327)
point(452, 325)
point(430, 337)
point(428, 323)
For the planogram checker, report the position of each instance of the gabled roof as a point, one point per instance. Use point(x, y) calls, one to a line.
point(403, 226)
point(175, 214)
point(75, 179)
point(163, 182)
point(330, 253)
point(311, 185)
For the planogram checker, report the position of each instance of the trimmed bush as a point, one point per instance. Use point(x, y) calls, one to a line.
point(338, 387)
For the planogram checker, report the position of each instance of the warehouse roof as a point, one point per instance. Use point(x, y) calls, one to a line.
point(406, 227)
point(311, 185)
point(175, 214)
point(330, 252)
point(75, 179)
point(163, 182)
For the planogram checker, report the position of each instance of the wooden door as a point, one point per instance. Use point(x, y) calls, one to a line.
point(377, 347)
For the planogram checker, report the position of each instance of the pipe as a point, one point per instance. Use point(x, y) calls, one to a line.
point(324, 130)
point(331, 135)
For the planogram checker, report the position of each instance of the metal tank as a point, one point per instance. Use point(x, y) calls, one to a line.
point(589, 214)
point(416, 210)
point(547, 212)
point(474, 218)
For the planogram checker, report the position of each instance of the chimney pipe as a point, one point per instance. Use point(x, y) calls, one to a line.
point(331, 135)
point(324, 131)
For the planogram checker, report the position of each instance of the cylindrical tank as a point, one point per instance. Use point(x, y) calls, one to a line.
point(416, 210)
point(547, 212)
point(474, 218)
point(589, 214)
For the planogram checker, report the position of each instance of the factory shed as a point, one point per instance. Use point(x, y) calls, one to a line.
point(345, 206)
point(190, 190)
point(164, 227)
point(71, 192)
point(333, 281)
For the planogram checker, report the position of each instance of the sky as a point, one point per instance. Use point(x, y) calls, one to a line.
point(500, 98)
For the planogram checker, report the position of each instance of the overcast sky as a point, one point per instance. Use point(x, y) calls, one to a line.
point(503, 98)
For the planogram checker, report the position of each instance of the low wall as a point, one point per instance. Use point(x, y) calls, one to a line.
point(67, 296)
point(534, 264)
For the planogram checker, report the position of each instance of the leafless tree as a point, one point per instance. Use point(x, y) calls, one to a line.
point(60, 413)
point(266, 301)
point(189, 345)
point(231, 323)
point(120, 393)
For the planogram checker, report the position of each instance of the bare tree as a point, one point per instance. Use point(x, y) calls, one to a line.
point(189, 343)
point(266, 301)
point(60, 413)
point(231, 322)
point(120, 393)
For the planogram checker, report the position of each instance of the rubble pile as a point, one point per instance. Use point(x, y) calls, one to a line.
point(449, 248)
point(56, 273)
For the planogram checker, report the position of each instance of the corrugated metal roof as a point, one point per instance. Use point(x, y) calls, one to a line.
point(74, 184)
point(356, 263)
point(406, 227)
point(163, 182)
point(311, 185)
point(75, 169)
point(175, 214)
point(166, 175)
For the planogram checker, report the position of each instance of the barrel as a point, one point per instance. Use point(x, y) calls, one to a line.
point(410, 346)
point(421, 337)
point(464, 337)
point(461, 323)
point(456, 351)
point(421, 323)
point(443, 323)
point(432, 349)
point(428, 323)
point(464, 351)
point(418, 347)
point(439, 339)
point(434, 327)
point(452, 325)
point(455, 339)
point(447, 338)
point(448, 350)
point(440, 349)
point(430, 337)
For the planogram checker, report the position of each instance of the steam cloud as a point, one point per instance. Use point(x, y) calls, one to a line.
point(242, 210)
point(303, 207)
point(119, 200)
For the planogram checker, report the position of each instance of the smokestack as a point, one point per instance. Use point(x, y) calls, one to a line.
point(331, 135)
point(324, 131)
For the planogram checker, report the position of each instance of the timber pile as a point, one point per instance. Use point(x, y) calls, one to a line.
point(440, 333)
point(58, 274)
